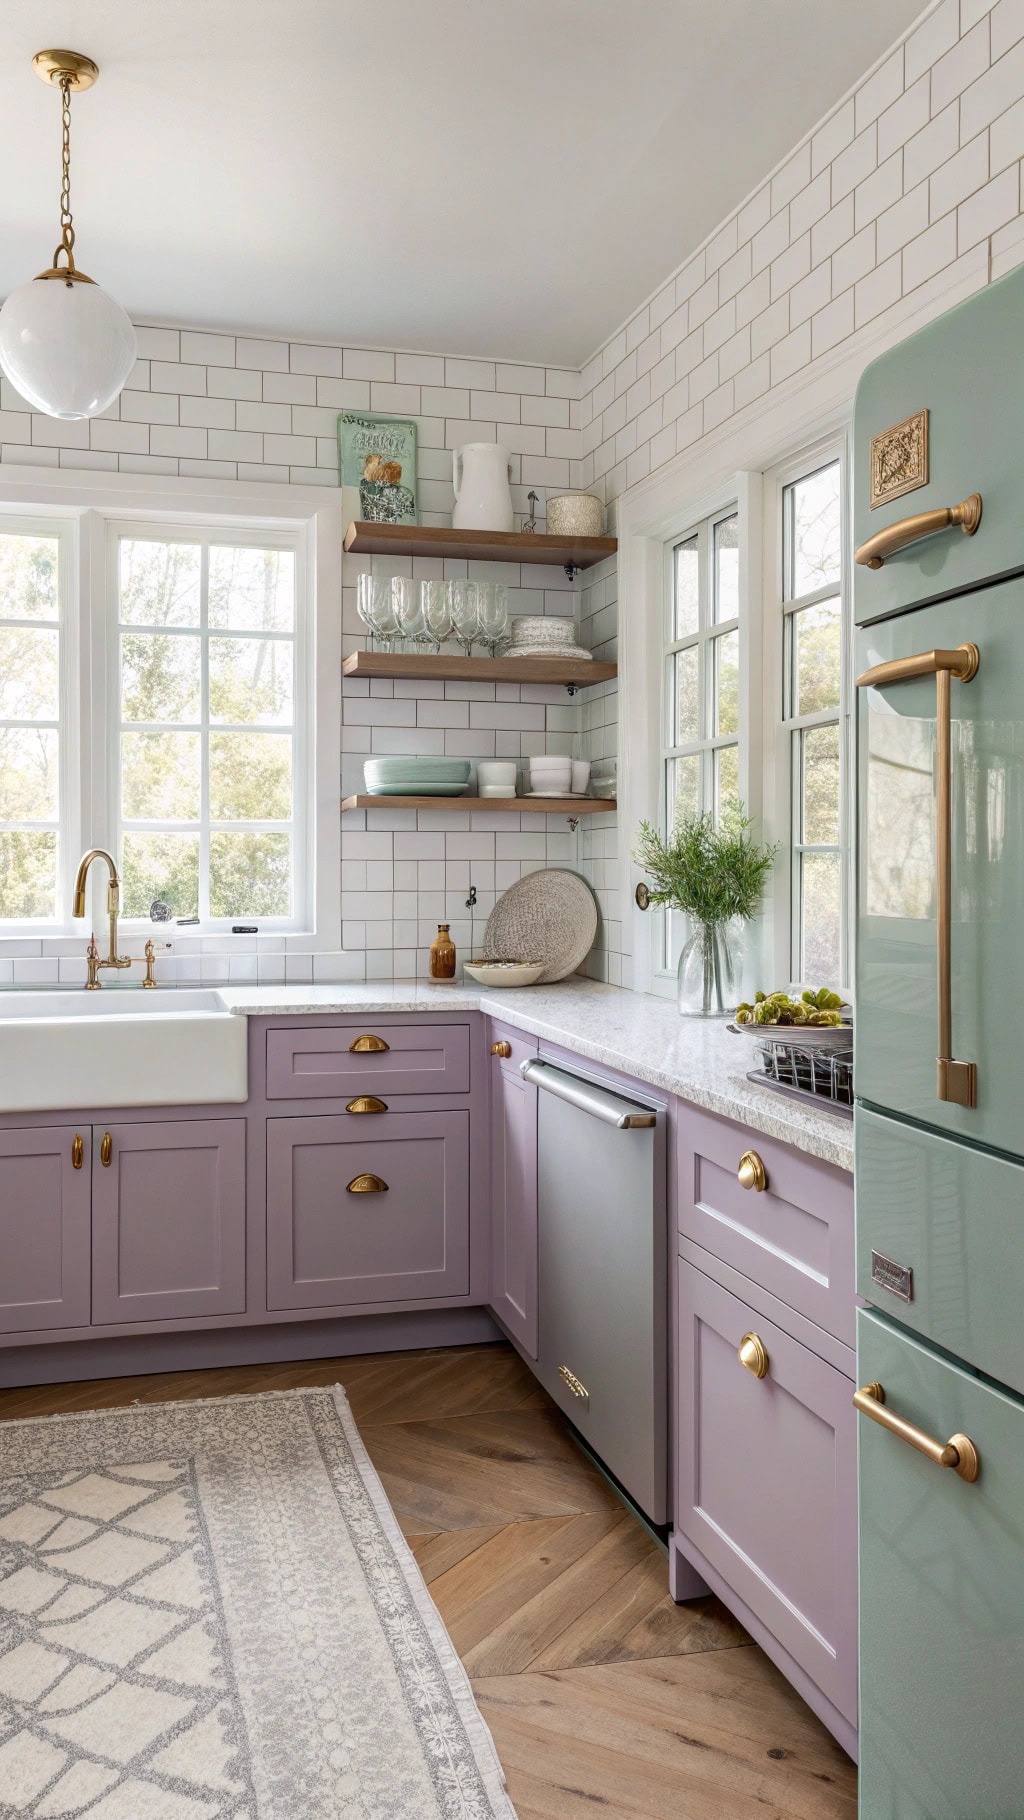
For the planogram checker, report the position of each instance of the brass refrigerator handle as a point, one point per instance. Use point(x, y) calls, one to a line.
point(967, 515)
point(959, 1452)
point(957, 1082)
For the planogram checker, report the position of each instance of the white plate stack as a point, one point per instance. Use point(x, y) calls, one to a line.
point(545, 635)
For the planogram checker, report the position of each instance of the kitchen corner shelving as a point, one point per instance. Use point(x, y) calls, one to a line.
point(571, 806)
point(574, 672)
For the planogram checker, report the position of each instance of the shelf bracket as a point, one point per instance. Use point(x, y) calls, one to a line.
point(572, 688)
point(574, 822)
point(572, 569)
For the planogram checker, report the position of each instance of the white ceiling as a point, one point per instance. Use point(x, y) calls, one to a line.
point(504, 177)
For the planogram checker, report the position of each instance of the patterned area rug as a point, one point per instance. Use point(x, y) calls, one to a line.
point(208, 1612)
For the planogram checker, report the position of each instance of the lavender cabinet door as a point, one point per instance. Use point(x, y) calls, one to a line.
point(44, 1229)
point(514, 1190)
point(766, 1479)
point(168, 1220)
point(367, 1216)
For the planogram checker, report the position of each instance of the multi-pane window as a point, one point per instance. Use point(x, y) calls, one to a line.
point(700, 754)
point(207, 762)
point(31, 635)
point(813, 706)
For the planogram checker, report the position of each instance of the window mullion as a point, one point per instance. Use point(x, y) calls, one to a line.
point(204, 736)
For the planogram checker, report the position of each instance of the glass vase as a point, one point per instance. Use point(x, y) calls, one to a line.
point(710, 968)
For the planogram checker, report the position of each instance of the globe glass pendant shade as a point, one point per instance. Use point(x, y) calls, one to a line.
point(67, 348)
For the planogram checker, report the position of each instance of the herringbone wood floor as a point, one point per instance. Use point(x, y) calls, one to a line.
point(603, 1696)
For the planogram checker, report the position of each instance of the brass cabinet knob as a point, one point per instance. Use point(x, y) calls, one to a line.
point(366, 1102)
point(503, 1048)
point(368, 1045)
point(367, 1184)
point(106, 1149)
point(751, 1172)
point(77, 1151)
point(752, 1355)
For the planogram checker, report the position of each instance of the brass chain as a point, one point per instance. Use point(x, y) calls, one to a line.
point(67, 236)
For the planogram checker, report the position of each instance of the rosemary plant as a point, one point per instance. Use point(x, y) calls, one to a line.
point(712, 873)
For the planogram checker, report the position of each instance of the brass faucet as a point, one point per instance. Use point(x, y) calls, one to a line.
point(113, 901)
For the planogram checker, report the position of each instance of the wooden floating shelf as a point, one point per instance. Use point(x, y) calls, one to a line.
point(574, 672)
point(364, 538)
point(511, 805)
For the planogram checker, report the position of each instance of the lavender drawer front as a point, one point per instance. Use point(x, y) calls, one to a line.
point(169, 1221)
point(44, 1230)
point(320, 1064)
point(514, 1189)
point(766, 1480)
point(794, 1237)
point(327, 1246)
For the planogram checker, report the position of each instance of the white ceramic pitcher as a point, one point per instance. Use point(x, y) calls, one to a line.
point(483, 499)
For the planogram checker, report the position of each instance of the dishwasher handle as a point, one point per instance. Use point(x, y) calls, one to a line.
point(587, 1098)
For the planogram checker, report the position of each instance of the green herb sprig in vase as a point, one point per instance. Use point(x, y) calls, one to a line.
point(716, 877)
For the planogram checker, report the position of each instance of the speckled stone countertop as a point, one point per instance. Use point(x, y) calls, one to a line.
point(631, 1031)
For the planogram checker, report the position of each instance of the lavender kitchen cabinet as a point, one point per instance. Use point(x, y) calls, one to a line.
point(44, 1228)
point(168, 1219)
point(766, 1486)
point(357, 1215)
point(513, 1187)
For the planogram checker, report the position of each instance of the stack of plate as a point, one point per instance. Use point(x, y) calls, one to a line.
point(544, 635)
point(416, 776)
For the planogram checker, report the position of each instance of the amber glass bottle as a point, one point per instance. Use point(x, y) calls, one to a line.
point(442, 955)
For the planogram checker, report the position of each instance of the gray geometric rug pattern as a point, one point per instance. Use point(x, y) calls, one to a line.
point(208, 1612)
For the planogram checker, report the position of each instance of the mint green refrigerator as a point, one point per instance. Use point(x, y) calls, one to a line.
point(939, 1121)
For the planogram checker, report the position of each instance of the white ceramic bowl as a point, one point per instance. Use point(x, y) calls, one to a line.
point(551, 770)
point(504, 790)
point(543, 630)
point(496, 771)
point(504, 973)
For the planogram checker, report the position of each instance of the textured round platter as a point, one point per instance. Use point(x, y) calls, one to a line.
point(799, 1036)
point(551, 914)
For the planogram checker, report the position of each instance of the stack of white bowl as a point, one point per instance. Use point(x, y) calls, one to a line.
point(553, 775)
point(496, 776)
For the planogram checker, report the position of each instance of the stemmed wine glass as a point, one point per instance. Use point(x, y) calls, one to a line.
point(375, 607)
point(436, 605)
point(408, 610)
point(492, 600)
point(466, 613)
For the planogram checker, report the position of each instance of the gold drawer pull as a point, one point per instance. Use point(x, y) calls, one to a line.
point(967, 515)
point(366, 1102)
point(957, 1082)
point(752, 1355)
point(574, 1384)
point(106, 1149)
point(959, 1451)
point(501, 1048)
point(77, 1151)
point(368, 1045)
point(752, 1172)
point(366, 1184)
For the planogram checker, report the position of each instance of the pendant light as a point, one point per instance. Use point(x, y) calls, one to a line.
point(65, 345)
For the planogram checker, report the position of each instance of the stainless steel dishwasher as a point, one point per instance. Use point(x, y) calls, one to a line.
point(602, 1298)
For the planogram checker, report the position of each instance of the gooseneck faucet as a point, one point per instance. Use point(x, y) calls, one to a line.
point(113, 902)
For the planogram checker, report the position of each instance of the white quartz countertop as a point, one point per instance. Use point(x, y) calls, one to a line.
point(632, 1031)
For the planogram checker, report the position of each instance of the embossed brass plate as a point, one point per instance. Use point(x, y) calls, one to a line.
point(899, 459)
point(897, 1278)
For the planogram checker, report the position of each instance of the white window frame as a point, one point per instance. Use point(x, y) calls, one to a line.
point(85, 509)
point(781, 807)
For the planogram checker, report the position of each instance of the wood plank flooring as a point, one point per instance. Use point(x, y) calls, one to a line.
point(602, 1694)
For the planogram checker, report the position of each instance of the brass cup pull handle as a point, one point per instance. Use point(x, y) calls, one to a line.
point(106, 1149)
point(751, 1172)
point(367, 1184)
point(502, 1048)
point(967, 515)
point(752, 1355)
point(366, 1102)
point(959, 1452)
point(368, 1045)
point(77, 1151)
point(957, 1082)
point(574, 1384)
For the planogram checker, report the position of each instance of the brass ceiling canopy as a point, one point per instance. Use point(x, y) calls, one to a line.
point(56, 66)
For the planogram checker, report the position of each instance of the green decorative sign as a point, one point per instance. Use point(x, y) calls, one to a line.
point(378, 456)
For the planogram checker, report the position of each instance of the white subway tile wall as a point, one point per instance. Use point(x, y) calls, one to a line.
point(903, 181)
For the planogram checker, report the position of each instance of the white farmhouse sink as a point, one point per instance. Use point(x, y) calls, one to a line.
point(65, 1050)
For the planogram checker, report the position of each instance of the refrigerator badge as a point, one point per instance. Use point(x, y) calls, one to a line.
point(898, 1279)
point(899, 459)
